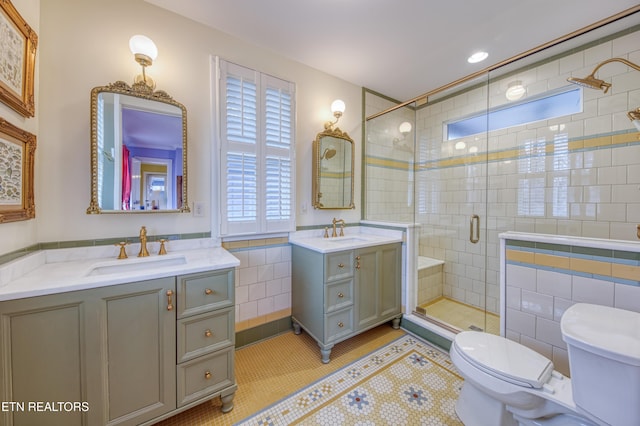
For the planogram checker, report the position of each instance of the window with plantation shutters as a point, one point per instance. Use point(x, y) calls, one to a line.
point(257, 148)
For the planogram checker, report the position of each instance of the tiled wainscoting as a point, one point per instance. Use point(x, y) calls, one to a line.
point(544, 275)
point(263, 288)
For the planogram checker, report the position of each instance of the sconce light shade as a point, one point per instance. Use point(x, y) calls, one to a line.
point(634, 116)
point(405, 127)
point(515, 90)
point(337, 106)
point(143, 48)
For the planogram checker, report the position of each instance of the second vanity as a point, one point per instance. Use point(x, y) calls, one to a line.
point(87, 339)
point(344, 285)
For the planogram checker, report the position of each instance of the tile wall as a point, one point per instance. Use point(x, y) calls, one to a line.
point(543, 278)
point(263, 281)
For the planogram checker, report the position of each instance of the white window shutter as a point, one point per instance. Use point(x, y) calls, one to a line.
point(257, 128)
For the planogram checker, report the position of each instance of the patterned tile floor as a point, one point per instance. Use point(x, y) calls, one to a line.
point(407, 382)
point(272, 369)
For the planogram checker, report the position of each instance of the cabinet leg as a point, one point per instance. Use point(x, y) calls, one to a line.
point(325, 351)
point(296, 328)
point(395, 323)
point(227, 402)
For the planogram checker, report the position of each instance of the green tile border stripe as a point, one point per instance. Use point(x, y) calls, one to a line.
point(611, 256)
point(8, 257)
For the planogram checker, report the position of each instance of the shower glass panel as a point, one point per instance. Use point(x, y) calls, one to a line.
point(451, 209)
point(389, 162)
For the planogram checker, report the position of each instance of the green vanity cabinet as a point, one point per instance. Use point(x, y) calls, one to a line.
point(45, 354)
point(340, 294)
point(125, 354)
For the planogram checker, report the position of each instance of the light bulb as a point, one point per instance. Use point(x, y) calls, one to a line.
point(338, 106)
point(405, 127)
point(143, 45)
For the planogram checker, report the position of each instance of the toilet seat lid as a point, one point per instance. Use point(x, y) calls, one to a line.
point(505, 358)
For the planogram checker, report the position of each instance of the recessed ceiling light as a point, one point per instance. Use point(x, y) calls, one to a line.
point(477, 57)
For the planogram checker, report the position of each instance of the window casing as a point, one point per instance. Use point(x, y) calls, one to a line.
point(257, 151)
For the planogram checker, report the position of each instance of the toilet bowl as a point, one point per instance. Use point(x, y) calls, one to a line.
point(507, 384)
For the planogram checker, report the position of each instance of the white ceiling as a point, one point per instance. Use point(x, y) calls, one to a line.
point(400, 48)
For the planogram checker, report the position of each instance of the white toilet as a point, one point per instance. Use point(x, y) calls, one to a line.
point(508, 384)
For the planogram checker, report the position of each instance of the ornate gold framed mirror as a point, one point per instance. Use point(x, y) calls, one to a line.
point(138, 150)
point(333, 157)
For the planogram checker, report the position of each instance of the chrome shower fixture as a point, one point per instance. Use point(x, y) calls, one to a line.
point(592, 82)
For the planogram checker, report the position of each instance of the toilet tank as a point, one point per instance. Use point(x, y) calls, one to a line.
point(604, 360)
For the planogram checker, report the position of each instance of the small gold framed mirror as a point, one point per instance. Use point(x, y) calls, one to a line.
point(333, 166)
point(138, 150)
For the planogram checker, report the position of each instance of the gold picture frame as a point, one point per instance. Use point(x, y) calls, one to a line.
point(17, 153)
point(18, 46)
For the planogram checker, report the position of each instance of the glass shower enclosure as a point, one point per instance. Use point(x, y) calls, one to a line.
point(515, 148)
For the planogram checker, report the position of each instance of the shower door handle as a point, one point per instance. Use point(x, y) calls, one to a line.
point(474, 225)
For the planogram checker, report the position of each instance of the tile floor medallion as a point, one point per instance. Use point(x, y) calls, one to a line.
point(407, 382)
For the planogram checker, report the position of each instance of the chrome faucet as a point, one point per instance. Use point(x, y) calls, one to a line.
point(143, 242)
point(341, 221)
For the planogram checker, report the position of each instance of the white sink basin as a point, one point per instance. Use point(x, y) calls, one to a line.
point(135, 264)
point(346, 240)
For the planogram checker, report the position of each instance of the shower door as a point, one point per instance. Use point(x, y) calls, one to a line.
point(451, 208)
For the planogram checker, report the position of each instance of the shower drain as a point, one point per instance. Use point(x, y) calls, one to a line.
point(475, 328)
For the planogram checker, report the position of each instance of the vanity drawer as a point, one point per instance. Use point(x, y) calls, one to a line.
point(205, 291)
point(205, 375)
point(338, 324)
point(338, 295)
point(205, 333)
point(339, 265)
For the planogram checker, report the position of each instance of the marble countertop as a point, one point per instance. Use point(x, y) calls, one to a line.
point(354, 238)
point(62, 270)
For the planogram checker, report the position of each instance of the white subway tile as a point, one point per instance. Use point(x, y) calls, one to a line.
point(590, 290)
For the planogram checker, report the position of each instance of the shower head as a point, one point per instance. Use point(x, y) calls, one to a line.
point(590, 82)
point(328, 153)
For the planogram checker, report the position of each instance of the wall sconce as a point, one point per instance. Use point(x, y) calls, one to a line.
point(145, 52)
point(404, 129)
point(337, 108)
point(515, 90)
point(592, 82)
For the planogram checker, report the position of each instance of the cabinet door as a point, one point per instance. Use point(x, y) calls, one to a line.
point(44, 352)
point(390, 258)
point(367, 286)
point(138, 329)
point(378, 284)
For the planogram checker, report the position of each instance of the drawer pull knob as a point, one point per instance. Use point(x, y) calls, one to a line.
point(169, 300)
point(340, 295)
point(340, 324)
point(340, 265)
point(208, 333)
point(207, 375)
point(208, 291)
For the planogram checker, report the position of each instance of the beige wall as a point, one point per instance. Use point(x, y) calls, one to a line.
point(84, 43)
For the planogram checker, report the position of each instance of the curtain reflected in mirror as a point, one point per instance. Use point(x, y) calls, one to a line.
point(138, 152)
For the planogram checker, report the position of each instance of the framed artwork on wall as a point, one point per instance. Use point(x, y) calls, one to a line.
point(18, 44)
point(17, 149)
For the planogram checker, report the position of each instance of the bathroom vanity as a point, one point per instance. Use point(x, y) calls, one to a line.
point(109, 346)
point(343, 286)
